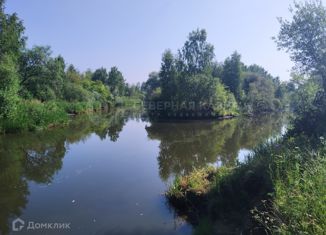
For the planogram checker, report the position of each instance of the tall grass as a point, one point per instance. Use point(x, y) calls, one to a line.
point(32, 115)
point(299, 198)
point(281, 189)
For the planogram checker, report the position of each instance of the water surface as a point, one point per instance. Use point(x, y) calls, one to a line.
point(106, 174)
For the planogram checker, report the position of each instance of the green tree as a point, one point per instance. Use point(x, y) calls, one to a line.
point(304, 38)
point(42, 77)
point(11, 34)
point(304, 95)
point(32, 63)
point(197, 55)
point(151, 84)
point(231, 76)
point(12, 42)
point(9, 87)
point(72, 74)
point(116, 82)
point(101, 75)
point(259, 95)
point(217, 70)
point(168, 76)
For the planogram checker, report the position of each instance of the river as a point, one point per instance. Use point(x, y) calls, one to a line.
point(107, 174)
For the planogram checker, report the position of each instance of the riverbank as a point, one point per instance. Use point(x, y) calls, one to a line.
point(34, 115)
point(279, 189)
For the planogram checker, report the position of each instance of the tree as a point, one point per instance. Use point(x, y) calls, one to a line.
point(305, 92)
point(152, 83)
point(231, 76)
point(259, 94)
point(197, 55)
point(56, 75)
point(32, 63)
point(217, 70)
point(116, 82)
point(12, 42)
point(42, 77)
point(11, 34)
point(9, 86)
point(168, 76)
point(304, 38)
point(100, 75)
point(72, 74)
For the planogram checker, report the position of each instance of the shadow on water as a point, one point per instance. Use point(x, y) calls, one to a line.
point(38, 157)
point(194, 144)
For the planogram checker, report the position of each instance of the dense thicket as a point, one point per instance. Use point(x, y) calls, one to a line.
point(38, 90)
point(192, 83)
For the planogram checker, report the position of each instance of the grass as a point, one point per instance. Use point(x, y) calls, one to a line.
point(34, 115)
point(299, 197)
point(125, 101)
point(279, 190)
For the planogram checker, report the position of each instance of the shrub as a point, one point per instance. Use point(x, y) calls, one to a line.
point(34, 115)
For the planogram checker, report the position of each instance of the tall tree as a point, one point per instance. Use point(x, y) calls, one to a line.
point(42, 77)
point(9, 87)
point(152, 83)
point(231, 76)
point(116, 82)
point(100, 75)
point(168, 75)
point(32, 63)
point(11, 34)
point(12, 42)
point(197, 54)
point(304, 37)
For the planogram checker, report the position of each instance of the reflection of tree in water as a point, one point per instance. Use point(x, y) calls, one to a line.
point(189, 144)
point(186, 145)
point(116, 122)
point(26, 157)
point(38, 157)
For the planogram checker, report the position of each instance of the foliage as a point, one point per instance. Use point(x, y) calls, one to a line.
point(259, 95)
point(281, 188)
point(126, 101)
point(304, 38)
point(152, 83)
point(11, 41)
point(9, 86)
point(32, 115)
point(11, 34)
point(100, 75)
point(215, 89)
point(116, 82)
point(186, 82)
point(298, 175)
point(42, 77)
point(197, 55)
point(231, 75)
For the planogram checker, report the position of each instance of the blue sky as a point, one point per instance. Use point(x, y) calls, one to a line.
point(133, 34)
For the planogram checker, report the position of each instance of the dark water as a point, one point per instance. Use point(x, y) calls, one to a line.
point(106, 174)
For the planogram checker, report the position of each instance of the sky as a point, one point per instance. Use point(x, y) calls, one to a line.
point(133, 35)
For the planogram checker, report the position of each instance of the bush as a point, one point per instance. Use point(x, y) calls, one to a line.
point(34, 115)
point(82, 107)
